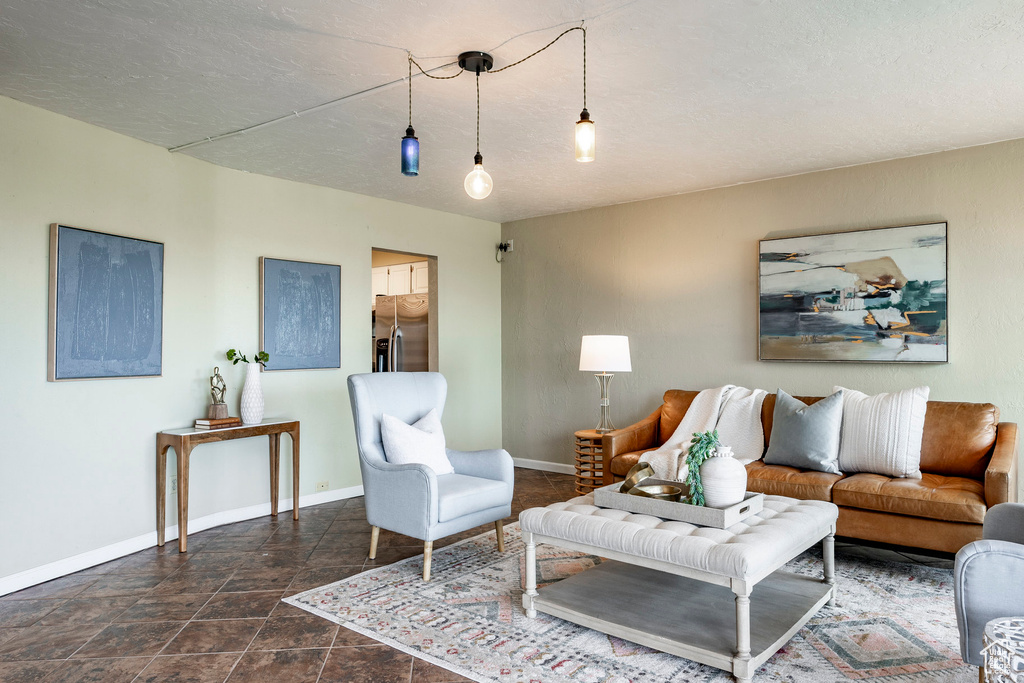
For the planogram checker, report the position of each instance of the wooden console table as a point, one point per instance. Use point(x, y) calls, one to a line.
point(184, 440)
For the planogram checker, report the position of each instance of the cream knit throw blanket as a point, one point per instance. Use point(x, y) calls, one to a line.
point(734, 411)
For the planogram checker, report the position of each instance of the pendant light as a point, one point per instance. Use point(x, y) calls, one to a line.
point(410, 144)
point(478, 182)
point(586, 131)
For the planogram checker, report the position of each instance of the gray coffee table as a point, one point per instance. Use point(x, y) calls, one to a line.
point(715, 596)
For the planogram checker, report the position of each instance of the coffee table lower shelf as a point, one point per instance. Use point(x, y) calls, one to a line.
point(683, 616)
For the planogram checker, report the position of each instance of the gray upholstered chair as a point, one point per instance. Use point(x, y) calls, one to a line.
point(988, 579)
point(411, 499)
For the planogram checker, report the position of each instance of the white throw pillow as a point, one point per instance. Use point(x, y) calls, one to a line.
point(421, 443)
point(882, 434)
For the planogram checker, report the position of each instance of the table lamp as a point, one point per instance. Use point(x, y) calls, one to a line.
point(604, 354)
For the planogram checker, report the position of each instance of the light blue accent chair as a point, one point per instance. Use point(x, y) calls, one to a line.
point(988, 579)
point(411, 499)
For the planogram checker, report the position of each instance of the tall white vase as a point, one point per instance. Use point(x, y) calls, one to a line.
point(252, 396)
point(724, 479)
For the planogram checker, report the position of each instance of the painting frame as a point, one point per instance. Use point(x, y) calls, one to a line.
point(279, 337)
point(923, 339)
point(131, 282)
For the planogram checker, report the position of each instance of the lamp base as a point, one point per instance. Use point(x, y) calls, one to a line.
point(605, 425)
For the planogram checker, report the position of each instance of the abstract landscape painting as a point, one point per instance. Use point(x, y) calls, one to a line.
point(300, 314)
point(106, 305)
point(869, 295)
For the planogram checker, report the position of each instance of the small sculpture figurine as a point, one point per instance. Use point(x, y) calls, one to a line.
point(218, 409)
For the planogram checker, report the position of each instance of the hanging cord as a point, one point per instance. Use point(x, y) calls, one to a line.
point(584, 68)
point(534, 54)
point(436, 78)
point(478, 113)
point(410, 89)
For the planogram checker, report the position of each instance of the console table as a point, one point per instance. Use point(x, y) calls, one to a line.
point(184, 440)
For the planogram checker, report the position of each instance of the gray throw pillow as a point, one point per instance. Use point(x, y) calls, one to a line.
point(806, 436)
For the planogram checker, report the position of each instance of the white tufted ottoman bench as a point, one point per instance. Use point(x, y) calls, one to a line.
point(710, 595)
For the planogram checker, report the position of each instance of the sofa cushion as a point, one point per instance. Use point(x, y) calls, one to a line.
point(676, 403)
point(958, 438)
point(779, 480)
point(459, 495)
point(935, 496)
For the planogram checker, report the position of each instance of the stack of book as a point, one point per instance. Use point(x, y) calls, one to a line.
point(218, 423)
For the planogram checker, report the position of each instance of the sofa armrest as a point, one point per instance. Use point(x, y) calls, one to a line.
point(636, 437)
point(1001, 474)
point(487, 464)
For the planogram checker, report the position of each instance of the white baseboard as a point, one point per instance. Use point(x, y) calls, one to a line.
point(91, 558)
point(544, 465)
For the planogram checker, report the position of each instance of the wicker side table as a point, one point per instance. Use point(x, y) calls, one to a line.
point(589, 461)
point(1003, 647)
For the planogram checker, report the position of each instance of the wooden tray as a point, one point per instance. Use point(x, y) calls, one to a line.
point(719, 518)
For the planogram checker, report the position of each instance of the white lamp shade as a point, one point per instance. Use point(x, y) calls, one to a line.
point(605, 353)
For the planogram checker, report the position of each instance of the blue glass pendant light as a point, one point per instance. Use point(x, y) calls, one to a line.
point(410, 144)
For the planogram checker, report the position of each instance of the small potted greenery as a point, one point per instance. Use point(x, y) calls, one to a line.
point(702, 446)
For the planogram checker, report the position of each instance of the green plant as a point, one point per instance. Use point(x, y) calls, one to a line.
point(262, 357)
point(701, 448)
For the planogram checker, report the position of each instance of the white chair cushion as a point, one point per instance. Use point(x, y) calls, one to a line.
point(420, 443)
point(459, 495)
point(882, 433)
point(748, 550)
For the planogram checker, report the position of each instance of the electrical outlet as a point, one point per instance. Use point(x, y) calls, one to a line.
point(509, 243)
point(174, 484)
point(321, 486)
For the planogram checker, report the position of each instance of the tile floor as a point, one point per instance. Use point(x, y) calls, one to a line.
point(215, 613)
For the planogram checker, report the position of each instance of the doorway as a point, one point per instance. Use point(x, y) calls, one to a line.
point(403, 311)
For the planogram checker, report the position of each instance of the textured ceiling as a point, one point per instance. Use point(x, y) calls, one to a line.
point(686, 94)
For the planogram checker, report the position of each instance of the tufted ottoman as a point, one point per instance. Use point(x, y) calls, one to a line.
point(711, 595)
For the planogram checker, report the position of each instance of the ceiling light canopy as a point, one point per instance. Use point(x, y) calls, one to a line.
point(478, 183)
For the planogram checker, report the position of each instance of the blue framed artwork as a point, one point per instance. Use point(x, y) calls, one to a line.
point(874, 296)
point(300, 314)
point(106, 306)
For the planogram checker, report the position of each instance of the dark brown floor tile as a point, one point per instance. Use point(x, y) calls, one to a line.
point(111, 585)
point(25, 672)
point(285, 633)
point(193, 582)
point(392, 555)
point(345, 540)
point(367, 665)
point(46, 642)
point(64, 587)
point(154, 559)
point(320, 576)
point(283, 666)
point(234, 544)
point(214, 636)
point(348, 638)
point(127, 640)
point(14, 613)
point(283, 609)
point(425, 672)
point(118, 670)
point(276, 558)
point(165, 608)
point(240, 605)
point(341, 556)
point(86, 611)
point(349, 526)
point(245, 580)
point(356, 514)
point(209, 560)
point(188, 669)
point(105, 568)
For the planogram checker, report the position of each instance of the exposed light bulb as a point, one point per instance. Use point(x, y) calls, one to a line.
point(478, 182)
point(586, 137)
point(410, 153)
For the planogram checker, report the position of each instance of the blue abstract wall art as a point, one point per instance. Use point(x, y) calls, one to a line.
point(868, 295)
point(106, 305)
point(300, 314)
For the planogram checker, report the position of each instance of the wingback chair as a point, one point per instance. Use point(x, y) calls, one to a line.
point(988, 580)
point(411, 499)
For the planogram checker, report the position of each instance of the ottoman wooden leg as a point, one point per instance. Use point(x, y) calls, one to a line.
point(531, 575)
point(828, 552)
point(741, 662)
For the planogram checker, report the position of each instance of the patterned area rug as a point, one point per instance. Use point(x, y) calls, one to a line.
point(893, 622)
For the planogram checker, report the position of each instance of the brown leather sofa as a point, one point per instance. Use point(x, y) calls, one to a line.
point(968, 462)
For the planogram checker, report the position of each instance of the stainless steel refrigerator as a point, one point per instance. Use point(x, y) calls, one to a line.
point(400, 333)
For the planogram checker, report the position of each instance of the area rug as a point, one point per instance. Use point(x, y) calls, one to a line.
point(893, 622)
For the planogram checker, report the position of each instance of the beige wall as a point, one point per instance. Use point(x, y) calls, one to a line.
point(390, 258)
point(78, 470)
point(679, 276)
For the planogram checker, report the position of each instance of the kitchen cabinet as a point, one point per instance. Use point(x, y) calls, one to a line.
point(420, 279)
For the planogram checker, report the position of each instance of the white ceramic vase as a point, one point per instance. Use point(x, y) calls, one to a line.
point(252, 396)
point(724, 479)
